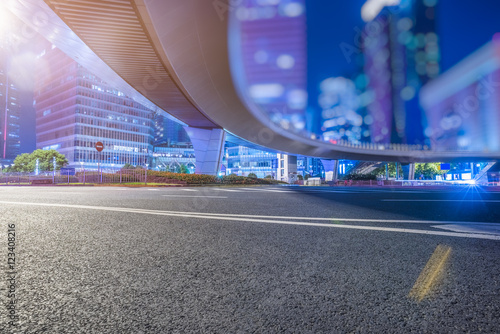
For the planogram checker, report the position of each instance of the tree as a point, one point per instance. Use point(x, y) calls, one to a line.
point(27, 162)
point(128, 166)
point(183, 169)
point(300, 177)
point(428, 170)
point(252, 175)
point(392, 170)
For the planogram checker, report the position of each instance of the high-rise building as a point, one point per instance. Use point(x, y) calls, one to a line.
point(401, 50)
point(273, 40)
point(9, 108)
point(463, 103)
point(168, 132)
point(75, 109)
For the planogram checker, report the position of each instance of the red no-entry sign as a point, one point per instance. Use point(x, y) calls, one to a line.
point(99, 146)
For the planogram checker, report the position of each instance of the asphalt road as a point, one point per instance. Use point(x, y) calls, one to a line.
point(250, 260)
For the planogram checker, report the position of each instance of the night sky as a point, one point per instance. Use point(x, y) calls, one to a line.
point(463, 26)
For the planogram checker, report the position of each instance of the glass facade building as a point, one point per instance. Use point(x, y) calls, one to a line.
point(241, 160)
point(75, 109)
point(171, 158)
point(9, 109)
point(168, 132)
point(462, 104)
point(273, 36)
point(401, 50)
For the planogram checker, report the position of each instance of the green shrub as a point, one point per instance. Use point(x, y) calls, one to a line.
point(167, 177)
point(252, 175)
point(360, 177)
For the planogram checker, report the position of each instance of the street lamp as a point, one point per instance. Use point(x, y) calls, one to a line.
point(82, 170)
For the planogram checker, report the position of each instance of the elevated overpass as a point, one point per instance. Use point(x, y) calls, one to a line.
point(182, 57)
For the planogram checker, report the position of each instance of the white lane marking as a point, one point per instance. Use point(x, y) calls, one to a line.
point(62, 192)
point(270, 190)
point(190, 196)
point(282, 222)
point(393, 221)
point(493, 229)
point(329, 192)
point(230, 190)
point(189, 189)
point(441, 200)
point(154, 189)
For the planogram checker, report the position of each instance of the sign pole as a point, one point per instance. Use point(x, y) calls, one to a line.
point(99, 146)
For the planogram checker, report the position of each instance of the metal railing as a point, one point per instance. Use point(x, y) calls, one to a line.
point(77, 177)
point(400, 183)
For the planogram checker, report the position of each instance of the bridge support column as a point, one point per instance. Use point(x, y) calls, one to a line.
point(208, 145)
point(331, 169)
point(408, 171)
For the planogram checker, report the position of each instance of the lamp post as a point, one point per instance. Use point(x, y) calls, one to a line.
point(54, 170)
point(146, 175)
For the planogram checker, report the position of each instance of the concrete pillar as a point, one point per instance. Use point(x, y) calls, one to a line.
point(408, 171)
point(208, 145)
point(331, 169)
point(397, 170)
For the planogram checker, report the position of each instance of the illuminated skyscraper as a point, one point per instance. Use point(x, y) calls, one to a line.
point(9, 114)
point(402, 53)
point(75, 109)
point(273, 40)
point(168, 132)
point(9, 109)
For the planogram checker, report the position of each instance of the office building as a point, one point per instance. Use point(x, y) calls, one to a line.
point(401, 49)
point(9, 107)
point(273, 39)
point(462, 104)
point(171, 158)
point(242, 161)
point(167, 132)
point(75, 109)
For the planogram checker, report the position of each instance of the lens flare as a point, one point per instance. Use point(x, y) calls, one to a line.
point(5, 21)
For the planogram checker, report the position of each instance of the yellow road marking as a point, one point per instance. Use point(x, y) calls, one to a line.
point(429, 277)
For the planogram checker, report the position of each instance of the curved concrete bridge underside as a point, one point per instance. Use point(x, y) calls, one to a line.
point(174, 55)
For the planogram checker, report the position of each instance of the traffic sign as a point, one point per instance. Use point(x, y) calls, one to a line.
point(99, 146)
